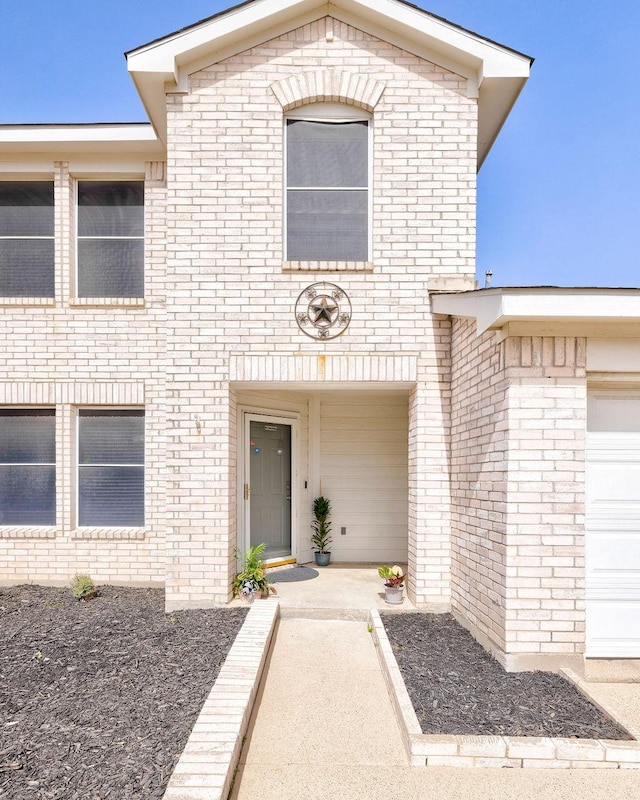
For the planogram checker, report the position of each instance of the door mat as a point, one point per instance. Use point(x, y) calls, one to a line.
point(292, 575)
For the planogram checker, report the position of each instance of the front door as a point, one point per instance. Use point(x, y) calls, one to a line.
point(268, 481)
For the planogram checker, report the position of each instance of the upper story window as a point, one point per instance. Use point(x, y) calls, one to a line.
point(327, 187)
point(27, 467)
point(111, 468)
point(27, 255)
point(110, 239)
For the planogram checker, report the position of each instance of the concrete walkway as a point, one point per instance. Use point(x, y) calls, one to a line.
point(323, 729)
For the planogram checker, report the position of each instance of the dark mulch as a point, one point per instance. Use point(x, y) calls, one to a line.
point(97, 698)
point(456, 687)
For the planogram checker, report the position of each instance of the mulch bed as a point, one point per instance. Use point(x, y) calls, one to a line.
point(457, 688)
point(97, 698)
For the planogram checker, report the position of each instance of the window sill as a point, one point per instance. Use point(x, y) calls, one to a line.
point(108, 302)
point(107, 534)
point(28, 301)
point(27, 532)
point(327, 266)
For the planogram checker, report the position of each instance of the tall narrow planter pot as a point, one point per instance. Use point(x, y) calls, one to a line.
point(322, 559)
point(393, 595)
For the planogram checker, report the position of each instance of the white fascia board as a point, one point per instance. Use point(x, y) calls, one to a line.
point(193, 43)
point(102, 138)
point(493, 309)
point(439, 36)
point(162, 65)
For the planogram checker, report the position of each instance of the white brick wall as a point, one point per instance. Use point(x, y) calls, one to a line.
point(231, 297)
point(495, 430)
point(547, 399)
point(519, 411)
point(68, 354)
point(478, 477)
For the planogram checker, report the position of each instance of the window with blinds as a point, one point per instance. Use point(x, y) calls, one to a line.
point(27, 256)
point(27, 467)
point(111, 468)
point(327, 190)
point(110, 239)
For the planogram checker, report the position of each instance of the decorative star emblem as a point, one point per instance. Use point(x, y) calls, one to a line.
point(323, 311)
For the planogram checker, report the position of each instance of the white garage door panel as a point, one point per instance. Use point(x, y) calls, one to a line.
point(610, 484)
point(603, 557)
point(611, 629)
point(613, 527)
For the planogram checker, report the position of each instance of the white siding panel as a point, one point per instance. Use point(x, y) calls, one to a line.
point(364, 468)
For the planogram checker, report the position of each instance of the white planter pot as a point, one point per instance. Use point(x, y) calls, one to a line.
point(393, 594)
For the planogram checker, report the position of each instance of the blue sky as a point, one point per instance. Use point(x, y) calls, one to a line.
point(558, 196)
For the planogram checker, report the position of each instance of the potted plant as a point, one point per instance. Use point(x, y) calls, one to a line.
point(394, 579)
point(253, 578)
point(321, 537)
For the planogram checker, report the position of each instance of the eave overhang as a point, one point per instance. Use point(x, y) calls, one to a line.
point(66, 140)
point(542, 310)
point(495, 74)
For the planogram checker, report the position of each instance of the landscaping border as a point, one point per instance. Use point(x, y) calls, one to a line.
point(206, 767)
point(498, 751)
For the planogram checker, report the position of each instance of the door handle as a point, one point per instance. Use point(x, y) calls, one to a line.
point(247, 491)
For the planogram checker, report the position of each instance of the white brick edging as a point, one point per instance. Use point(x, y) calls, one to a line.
point(497, 751)
point(206, 767)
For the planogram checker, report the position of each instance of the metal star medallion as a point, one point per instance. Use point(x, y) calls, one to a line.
point(323, 311)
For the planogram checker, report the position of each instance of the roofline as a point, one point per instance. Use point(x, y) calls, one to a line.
point(539, 306)
point(68, 124)
point(495, 74)
point(539, 290)
point(100, 138)
point(238, 6)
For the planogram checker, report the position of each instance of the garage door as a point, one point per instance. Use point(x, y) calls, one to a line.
point(613, 525)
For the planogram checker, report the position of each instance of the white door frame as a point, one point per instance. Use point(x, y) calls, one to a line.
point(246, 416)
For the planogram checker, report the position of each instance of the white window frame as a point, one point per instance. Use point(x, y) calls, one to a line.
point(31, 179)
point(78, 466)
point(329, 112)
point(77, 237)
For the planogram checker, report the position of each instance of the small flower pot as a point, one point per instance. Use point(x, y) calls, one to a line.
point(322, 559)
point(393, 595)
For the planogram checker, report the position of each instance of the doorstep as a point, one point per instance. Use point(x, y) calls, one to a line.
point(499, 751)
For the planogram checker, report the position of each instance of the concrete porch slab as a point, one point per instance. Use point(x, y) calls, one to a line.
point(340, 591)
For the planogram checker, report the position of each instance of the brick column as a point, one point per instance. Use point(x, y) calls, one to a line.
point(546, 408)
point(429, 497)
point(200, 506)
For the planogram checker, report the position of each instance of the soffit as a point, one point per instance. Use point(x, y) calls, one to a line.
point(66, 140)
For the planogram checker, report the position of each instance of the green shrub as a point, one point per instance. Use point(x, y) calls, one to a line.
point(82, 587)
point(253, 577)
